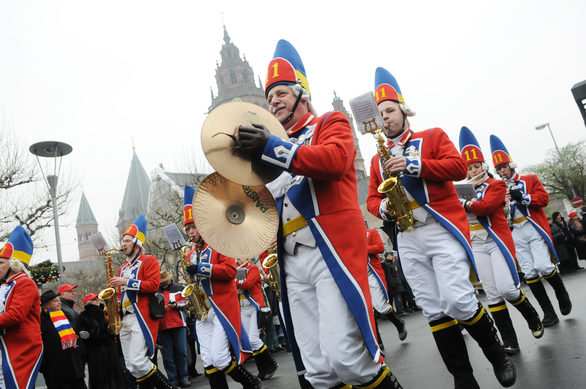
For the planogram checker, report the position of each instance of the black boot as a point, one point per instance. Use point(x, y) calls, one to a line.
point(381, 345)
point(303, 382)
point(246, 378)
point(561, 293)
point(385, 379)
point(216, 377)
point(162, 382)
point(398, 322)
point(452, 348)
point(481, 328)
point(530, 315)
point(265, 363)
point(550, 318)
point(503, 322)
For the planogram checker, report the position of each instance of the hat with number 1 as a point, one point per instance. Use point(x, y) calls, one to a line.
point(188, 193)
point(19, 246)
point(286, 68)
point(386, 88)
point(500, 154)
point(138, 229)
point(469, 147)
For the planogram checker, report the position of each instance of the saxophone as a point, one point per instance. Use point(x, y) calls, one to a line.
point(271, 263)
point(110, 298)
point(198, 302)
point(392, 187)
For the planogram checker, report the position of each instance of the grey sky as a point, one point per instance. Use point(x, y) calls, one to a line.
point(98, 74)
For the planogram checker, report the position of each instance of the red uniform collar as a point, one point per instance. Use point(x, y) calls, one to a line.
point(401, 141)
point(304, 121)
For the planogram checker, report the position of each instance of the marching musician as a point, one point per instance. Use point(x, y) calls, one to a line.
point(138, 278)
point(493, 247)
point(327, 304)
point(435, 255)
point(378, 288)
point(224, 346)
point(535, 251)
point(21, 345)
point(251, 302)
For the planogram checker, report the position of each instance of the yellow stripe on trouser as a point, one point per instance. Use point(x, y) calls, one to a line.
point(293, 225)
point(231, 367)
point(475, 319)
point(521, 299)
point(263, 348)
point(212, 370)
point(148, 375)
point(532, 280)
point(501, 307)
point(551, 275)
point(376, 383)
point(443, 326)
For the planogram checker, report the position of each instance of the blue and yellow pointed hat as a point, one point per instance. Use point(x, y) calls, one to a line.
point(188, 193)
point(500, 154)
point(469, 147)
point(386, 87)
point(286, 68)
point(138, 229)
point(19, 246)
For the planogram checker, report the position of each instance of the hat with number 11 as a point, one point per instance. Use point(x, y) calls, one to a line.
point(188, 193)
point(286, 68)
point(386, 88)
point(500, 154)
point(19, 246)
point(138, 229)
point(469, 147)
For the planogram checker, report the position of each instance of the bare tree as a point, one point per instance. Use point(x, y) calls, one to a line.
point(24, 198)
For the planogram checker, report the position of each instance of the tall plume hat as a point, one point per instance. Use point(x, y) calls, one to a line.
point(138, 229)
point(18, 246)
point(286, 68)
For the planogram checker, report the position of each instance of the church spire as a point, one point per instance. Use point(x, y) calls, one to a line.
point(136, 194)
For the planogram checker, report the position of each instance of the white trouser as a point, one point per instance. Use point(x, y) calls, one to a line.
point(532, 251)
point(331, 346)
point(213, 342)
point(437, 269)
point(493, 271)
point(134, 347)
point(2, 384)
point(379, 302)
point(249, 321)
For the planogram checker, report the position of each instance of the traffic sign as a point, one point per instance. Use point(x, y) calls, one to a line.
point(577, 202)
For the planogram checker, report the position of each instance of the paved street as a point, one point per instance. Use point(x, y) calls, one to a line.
point(556, 361)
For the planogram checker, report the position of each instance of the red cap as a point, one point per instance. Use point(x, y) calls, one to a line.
point(572, 214)
point(88, 297)
point(65, 288)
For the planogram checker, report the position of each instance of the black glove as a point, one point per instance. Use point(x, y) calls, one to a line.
point(252, 141)
point(516, 195)
point(192, 270)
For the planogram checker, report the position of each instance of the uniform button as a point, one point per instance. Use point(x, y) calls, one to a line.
point(286, 205)
point(288, 218)
point(294, 234)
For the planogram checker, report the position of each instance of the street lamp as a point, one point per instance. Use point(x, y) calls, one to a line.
point(541, 127)
point(55, 150)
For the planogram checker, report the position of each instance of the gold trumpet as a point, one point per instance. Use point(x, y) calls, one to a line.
point(110, 297)
point(398, 204)
point(271, 263)
point(198, 302)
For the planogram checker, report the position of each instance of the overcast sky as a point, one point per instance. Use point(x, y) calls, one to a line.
point(102, 75)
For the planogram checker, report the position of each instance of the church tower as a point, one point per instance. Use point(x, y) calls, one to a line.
point(338, 105)
point(235, 78)
point(136, 195)
point(86, 225)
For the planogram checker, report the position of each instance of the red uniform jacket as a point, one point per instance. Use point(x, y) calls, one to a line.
point(20, 333)
point(433, 163)
point(174, 317)
point(252, 286)
point(535, 198)
point(489, 209)
point(221, 290)
point(320, 158)
point(145, 280)
point(375, 247)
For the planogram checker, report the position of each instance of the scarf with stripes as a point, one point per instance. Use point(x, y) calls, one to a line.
point(64, 329)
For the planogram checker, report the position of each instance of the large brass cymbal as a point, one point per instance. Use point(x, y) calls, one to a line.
point(219, 148)
point(236, 220)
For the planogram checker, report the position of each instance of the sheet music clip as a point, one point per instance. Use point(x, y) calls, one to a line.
point(99, 243)
point(366, 114)
point(174, 236)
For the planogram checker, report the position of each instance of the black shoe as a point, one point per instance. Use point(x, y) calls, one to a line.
point(512, 350)
point(265, 363)
point(505, 373)
point(550, 319)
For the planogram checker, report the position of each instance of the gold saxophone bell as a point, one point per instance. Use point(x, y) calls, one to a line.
point(110, 298)
point(198, 302)
point(271, 263)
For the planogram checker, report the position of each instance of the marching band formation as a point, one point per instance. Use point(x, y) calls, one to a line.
point(328, 278)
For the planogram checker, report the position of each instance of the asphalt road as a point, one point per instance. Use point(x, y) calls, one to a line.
point(556, 361)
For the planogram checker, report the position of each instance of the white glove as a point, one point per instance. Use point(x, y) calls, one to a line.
point(84, 334)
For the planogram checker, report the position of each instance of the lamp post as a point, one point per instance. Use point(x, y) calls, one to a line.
point(541, 127)
point(55, 150)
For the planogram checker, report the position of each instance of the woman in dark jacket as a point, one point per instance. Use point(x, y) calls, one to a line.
point(563, 243)
point(101, 349)
point(579, 233)
point(62, 364)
